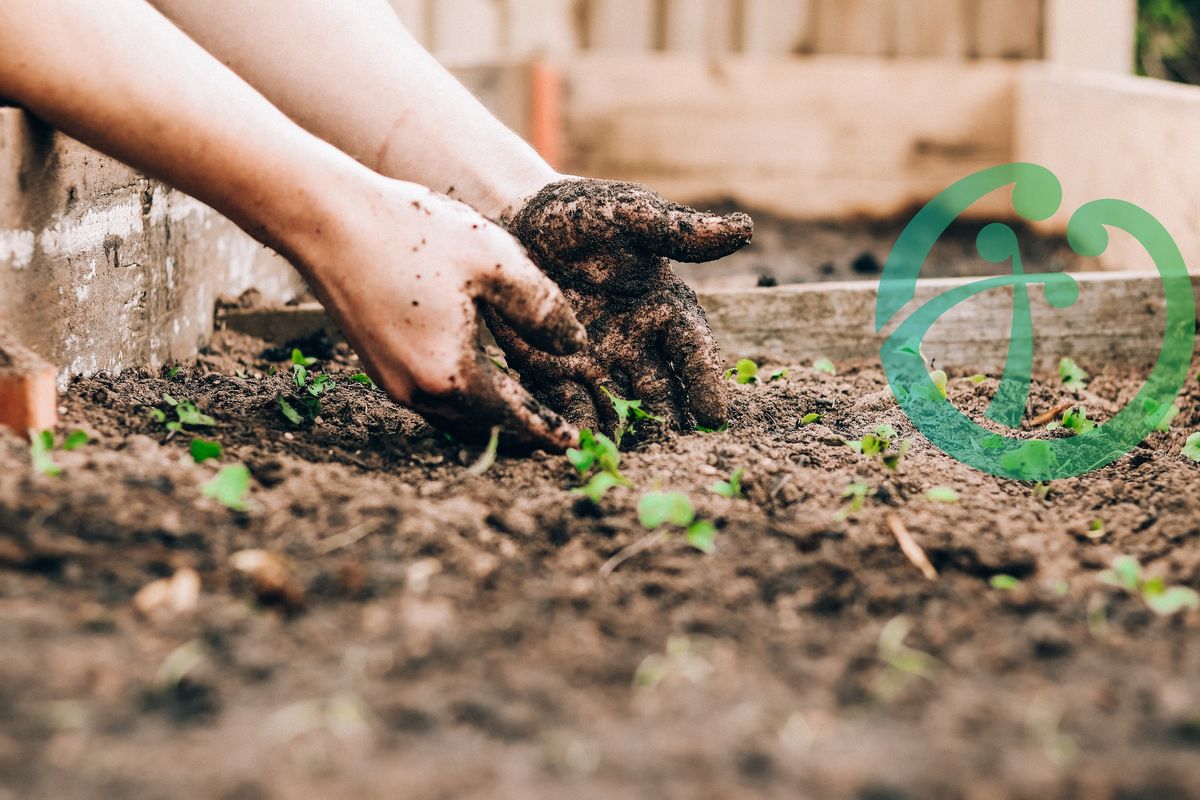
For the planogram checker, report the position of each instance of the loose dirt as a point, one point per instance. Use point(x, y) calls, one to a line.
point(446, 635)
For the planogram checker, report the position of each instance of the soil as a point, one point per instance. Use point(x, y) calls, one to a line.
point(788, 251)
point(436, 634)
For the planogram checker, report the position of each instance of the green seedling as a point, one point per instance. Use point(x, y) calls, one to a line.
point(778, 375)
point(172, 372)
point(1072, 375)
point(186, 414)
point(824, 365)
point(809, 418)
point(857, 492)
point(941, 381)
point(731, 488)
point(299, 359)
point(42, 445)
point(597, 452)
point(204, 449)
point(308, 405)
point(903, 663)
point(879, 444)
point(743, 372)
point(1035, 457)
point(657, 509)
point(364, 379)
point(488, 457)
point(229, 487)
point(1126, 573)
point(1075, 419)
point(1165, 413)
point(1041, 490)
point(977, 379)
point(629, 414)
point(941, 494)
point(722, 429)
point(1006, 582)
point(1191, 448)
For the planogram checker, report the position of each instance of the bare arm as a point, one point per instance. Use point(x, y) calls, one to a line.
point(400, 267)
point(352, 74)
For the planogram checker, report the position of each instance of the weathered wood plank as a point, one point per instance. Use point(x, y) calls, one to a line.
point(698, 26)
point(465, 32)
point(1092, 34)
point(623, 26)
point(854, 27)
point(775, 27)
point(534, 28)
point(28, 391)
point(929, 28)
point(1118, 318)
point(1006, 28)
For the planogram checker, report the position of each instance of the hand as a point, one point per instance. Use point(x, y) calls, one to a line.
point(403, 271)
point(607, 246)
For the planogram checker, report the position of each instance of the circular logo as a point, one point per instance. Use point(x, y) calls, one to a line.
point(1036, 195)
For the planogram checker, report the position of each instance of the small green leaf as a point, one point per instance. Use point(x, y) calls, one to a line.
point(75, 440)
point(299, 375)
point(289, 411)
point(169, 400)
point(299, 360)
point(204, 449)
point(824, 365)
point(731, 488)
point(320, 384)
point(702, 535)
point(857, 492)
point(41, 446)
point(1191, 448)
point(941, 381)
point(1075, 419)
point(189, 414)
point(941, 494)
point(778, 375)
point(157, 414)
point(1004, 582)
point(364, 379)
point(598, 486)
point(1173, 600)
point(229, 487)
point(656, 509)
point(172, 372)
point(1126, 573)
point(722, 429)
point(744, 371)
point(809, 418)
point(175, 426)
point(977, 379)
point(1072, 375)
point(489, 454)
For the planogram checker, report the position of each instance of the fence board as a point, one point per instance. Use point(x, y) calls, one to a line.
point(777, 27)
point(540, 27)
point(465, 31)
point(1007, 28)
point(699, 26)
point(930, 28)
point(854, 27)
point(626, 26)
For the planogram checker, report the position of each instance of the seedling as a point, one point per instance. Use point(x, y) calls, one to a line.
point(488, 457)
point(824, 365)
point(204, 449)
point(903, 663)
point(308, 405)
point(656, 509)
point(857, 492)
point(186, 413)
point(1030, 459)
point(1072, 375)
point(1075, 419)
point(941, 381)
point(879, 443)
point(731, 488)
point(778, 375)
point(1126, 573)
point(229, 487)
point(1095, 529)
point(809, 418)
point(941, 494)
point(1163, 412)
point(1005, 582)
point(743, 372)
point(1191, 448)
point(300, 360)
point(364, 379)
point(722, 429)
point(629, 414)
point(977, 379)
point(41, 449)
point(597, 452)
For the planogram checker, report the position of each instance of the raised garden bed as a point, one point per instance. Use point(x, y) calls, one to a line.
point(437, 633)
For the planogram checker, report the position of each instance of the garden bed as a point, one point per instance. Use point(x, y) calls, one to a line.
point(442, 634)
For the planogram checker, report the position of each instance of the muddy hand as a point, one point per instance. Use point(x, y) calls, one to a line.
point(405, 279)
point(608, 247)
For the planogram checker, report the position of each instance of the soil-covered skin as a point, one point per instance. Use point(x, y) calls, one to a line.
point(786, 251)
point(451, 635)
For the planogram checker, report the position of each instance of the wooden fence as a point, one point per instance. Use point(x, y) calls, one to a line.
point(483, 31)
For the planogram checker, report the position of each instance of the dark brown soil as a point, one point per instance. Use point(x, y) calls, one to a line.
point(805, 251)
point(462, 643)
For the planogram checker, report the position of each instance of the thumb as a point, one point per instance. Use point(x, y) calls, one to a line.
point(535, 307)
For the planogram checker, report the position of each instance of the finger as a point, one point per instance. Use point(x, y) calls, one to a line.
point(698, 362)
point(533, 305)
point(491, 399)
point(685, 234)
point(653, 385)
point(574, 402)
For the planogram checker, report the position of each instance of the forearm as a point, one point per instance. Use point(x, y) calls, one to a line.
point(353, 75)
point(120, 77)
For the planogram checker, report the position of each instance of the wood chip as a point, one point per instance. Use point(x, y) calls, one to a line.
point(1051, 414)
point(910, 548)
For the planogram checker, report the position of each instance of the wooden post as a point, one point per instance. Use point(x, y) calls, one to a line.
point(931, 28)
point(545, 111)
point(28, 389)
point(1006, 28)
point(1092, 34)
point(770, 27)
point(625, 26)
point(699, 26)
point(854, 27)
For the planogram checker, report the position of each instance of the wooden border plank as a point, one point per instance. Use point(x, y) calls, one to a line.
point(28, 389)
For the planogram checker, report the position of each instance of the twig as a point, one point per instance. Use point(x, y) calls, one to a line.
point(910, 548)
point(1048, 416)
point(344, 539)
point(626, 553)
